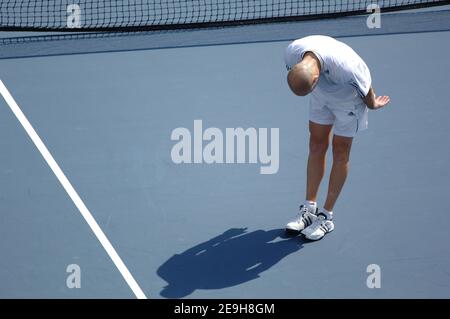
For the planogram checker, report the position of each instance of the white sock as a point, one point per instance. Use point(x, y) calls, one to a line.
point(328, 214)
point(311, 205)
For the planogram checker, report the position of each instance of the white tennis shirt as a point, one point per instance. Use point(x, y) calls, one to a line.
point(344, 75)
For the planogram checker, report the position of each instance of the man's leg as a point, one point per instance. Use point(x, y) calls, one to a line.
point(339, 171)
point(341, 154)
point(318, 145)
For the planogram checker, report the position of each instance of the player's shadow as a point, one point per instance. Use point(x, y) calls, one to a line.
point(229, 259)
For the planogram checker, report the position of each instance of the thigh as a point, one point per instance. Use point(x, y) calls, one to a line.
point(342, 142)
point(319, 133)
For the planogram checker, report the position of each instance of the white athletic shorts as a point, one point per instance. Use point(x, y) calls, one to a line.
point(347, 118)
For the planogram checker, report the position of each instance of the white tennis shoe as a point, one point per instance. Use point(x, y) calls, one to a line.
point(318, 228)
point(303, 219)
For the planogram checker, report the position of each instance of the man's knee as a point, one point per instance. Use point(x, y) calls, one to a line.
point(318, 146)
point(319, 138)
point(340, 155)
point(341, 149)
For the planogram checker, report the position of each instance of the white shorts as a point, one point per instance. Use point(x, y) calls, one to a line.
point(347, 118)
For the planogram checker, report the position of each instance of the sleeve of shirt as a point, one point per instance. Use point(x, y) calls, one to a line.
point(360, 78)
point(289, 57)
point(293, 54)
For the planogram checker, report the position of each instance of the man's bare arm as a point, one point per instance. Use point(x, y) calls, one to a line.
point(373, 102)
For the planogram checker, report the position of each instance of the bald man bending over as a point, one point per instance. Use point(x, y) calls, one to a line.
point(339, 84)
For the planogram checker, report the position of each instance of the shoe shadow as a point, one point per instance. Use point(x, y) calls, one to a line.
point(229, 259)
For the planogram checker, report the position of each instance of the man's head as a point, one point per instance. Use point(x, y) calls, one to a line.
point(303, 77)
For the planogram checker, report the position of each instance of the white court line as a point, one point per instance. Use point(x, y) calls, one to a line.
point(72, 192)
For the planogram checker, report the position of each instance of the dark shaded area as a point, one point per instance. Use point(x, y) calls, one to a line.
point(229, 259)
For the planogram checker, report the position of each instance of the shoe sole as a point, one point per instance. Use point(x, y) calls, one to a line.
point(304, 236)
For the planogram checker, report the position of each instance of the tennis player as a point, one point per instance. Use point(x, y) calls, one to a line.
point(340, 86)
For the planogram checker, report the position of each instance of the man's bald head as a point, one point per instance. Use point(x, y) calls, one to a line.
point(303, 77)
point(300, 79)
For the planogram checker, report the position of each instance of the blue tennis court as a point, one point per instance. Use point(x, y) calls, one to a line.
point(111, 110)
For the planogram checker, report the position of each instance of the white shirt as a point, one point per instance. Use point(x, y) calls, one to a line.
point(344, 75)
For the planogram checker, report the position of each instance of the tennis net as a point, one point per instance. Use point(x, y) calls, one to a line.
point(136, 15)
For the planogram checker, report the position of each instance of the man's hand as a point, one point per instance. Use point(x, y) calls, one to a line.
point(373, 102)
point(381, 101)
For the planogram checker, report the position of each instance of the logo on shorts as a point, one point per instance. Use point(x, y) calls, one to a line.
point(351, 114)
